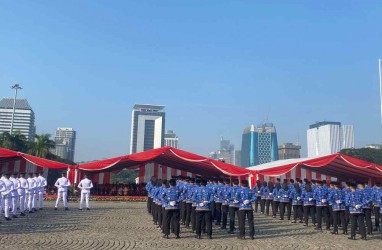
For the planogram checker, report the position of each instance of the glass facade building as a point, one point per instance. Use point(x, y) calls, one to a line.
point(259, 145)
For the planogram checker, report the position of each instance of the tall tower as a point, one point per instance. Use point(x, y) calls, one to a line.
point(147, 127)
point(65, 140)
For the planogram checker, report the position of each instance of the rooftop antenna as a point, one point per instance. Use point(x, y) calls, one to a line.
point(380, 84)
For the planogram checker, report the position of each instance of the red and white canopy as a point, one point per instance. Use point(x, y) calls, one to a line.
point(337, 165)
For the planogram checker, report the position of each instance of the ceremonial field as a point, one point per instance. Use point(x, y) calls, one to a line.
point(121, 225)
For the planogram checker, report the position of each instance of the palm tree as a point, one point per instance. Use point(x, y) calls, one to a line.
point(41, 146)
point(15, 141)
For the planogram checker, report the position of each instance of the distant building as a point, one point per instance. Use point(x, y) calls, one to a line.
point(325, 138)
point(24, 118)
point(289, 151)
point(374, 146)
point(225, 153)
point(238, 158)
point(171, 139)
point(65, 140)
point(259, 145)
point(147, 127)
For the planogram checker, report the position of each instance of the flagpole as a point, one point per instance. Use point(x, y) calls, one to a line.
point(380, 84)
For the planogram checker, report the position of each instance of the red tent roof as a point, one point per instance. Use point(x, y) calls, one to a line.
point(7, 155)
point(338, 165)
point(170, 157)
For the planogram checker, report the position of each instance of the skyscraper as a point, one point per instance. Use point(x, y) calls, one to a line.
point(226, 152)
point(259, 145)
point(171, 139)
point(24, 117)
point(289, 151)
point(65, 140)
point(325, 138)
point(147, 127)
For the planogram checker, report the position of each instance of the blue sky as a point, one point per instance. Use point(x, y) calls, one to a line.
point(218, 66)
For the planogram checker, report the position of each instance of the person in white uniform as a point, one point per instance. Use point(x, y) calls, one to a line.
point(41, 192)
point(22, 193)
point(85, 185)
point(30, 191)
point(6, 195)
point(62, 185)
point(14, 194)
point(2, 189)
point(36, 191)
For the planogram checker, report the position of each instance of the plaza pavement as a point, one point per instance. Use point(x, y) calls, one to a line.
point(121, 225)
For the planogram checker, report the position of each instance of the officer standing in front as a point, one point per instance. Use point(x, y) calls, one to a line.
point(9, 187)
point(62, 185)
point(41, 189)
point(85, 185)
point(14, 194)
point(22, 193)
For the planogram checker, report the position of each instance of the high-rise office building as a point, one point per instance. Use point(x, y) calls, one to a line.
point(226, 152)
point(65, 141)
point(24, 117)
point(147, 127)
point(325, 138)
point(259, 145)
point(171, 139)
point(237, 158)
point(289, 151)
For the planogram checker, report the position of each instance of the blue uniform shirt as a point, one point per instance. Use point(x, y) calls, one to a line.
point(149, 189)
point(308, 199)
point(355, 201)
point(171, 198)
point(284, 195)
point(321, 196)
point(231, 196)
point(276, 196)
point(245, 196)
point(264, 192)
point(203, 197)
point(296, 197)
point(257, 190)
point(337, 199)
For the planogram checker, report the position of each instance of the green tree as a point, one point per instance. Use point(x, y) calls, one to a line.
point(367, 154)
point(41, 146)
point(15, 141)
point(126, 176)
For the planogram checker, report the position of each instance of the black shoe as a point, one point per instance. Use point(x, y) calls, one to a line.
point(177, 237)
point(281, 219)
point(14, 216)
point(80, 209)
point(223, 228)
point(198, 237)
point(31, 212)
point(55, 208)
point(87, 208)
point(352, 238)
point(363, 238)
point(370, 233)
point(345, 232)
point(40, 208)
point(318, 228)
point(294, 222)
point(252, 237)
point(210, 237)
point(231, 232)
point(7, 218)
point(241, 237)
point(334, 232)
point(22, 214)
point(165, 236)
point(306, 225)
point(66, 208)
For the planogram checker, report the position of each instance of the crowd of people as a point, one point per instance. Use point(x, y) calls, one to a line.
point(197, 203)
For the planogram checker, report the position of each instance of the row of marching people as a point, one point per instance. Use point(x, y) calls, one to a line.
point(191, 202)
point(199, 202)
point(336, 204)
point(19, 191)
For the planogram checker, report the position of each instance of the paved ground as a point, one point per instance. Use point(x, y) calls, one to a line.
point(117, 225)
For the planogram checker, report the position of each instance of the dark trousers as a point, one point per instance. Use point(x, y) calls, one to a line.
point(369, 223)
point(322, 211)
point(149, 202)
point(171, 218)
point(213, 210)
point(347, 215)
point(339, 216)
point(246, 214)
point(377, 217)
point(218, 213)
point(262, 206)
point(188, 214)
point(206, 217)
point(275, 208)
point(310, 210)
point(268, 203)
point(160, 215)
point(360, 220)
point(183, 212)
point(331, 219)
point(258, 200)
point(232, 212)
point(285, 206)
point(163, 220)
point(297, 212)
point(193, 218)
point(224, 215)
point(155, 213)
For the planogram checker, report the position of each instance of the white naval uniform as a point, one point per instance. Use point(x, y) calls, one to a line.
point(2, 189)
point(22, 193)
point(41, 191)
point(7, 196)
point(14, 194)
point(62, 185)
point(85, 185)
point(30, 192)
point(36, 191)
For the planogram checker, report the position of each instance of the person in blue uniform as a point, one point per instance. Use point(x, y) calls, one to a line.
point(297, 203)
point(257, 190)
point(194, 204)
point(355, 200)
point(183, 211)
point(172, 198)
point(150, 189)
point(218, 199)
point(160, 202)
point(345, 191)
point(245, 197)
point(367, 193)
point(188, 200)
point(203, 197)
point(309, 204)
point(155, 204)
point(269, 198)
point(276, 199)
point(233, 205)
point(264, 192)
point(284, 194)
point(337, 199)
point(377, 202)
point(225, 203)
point(321, 198)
